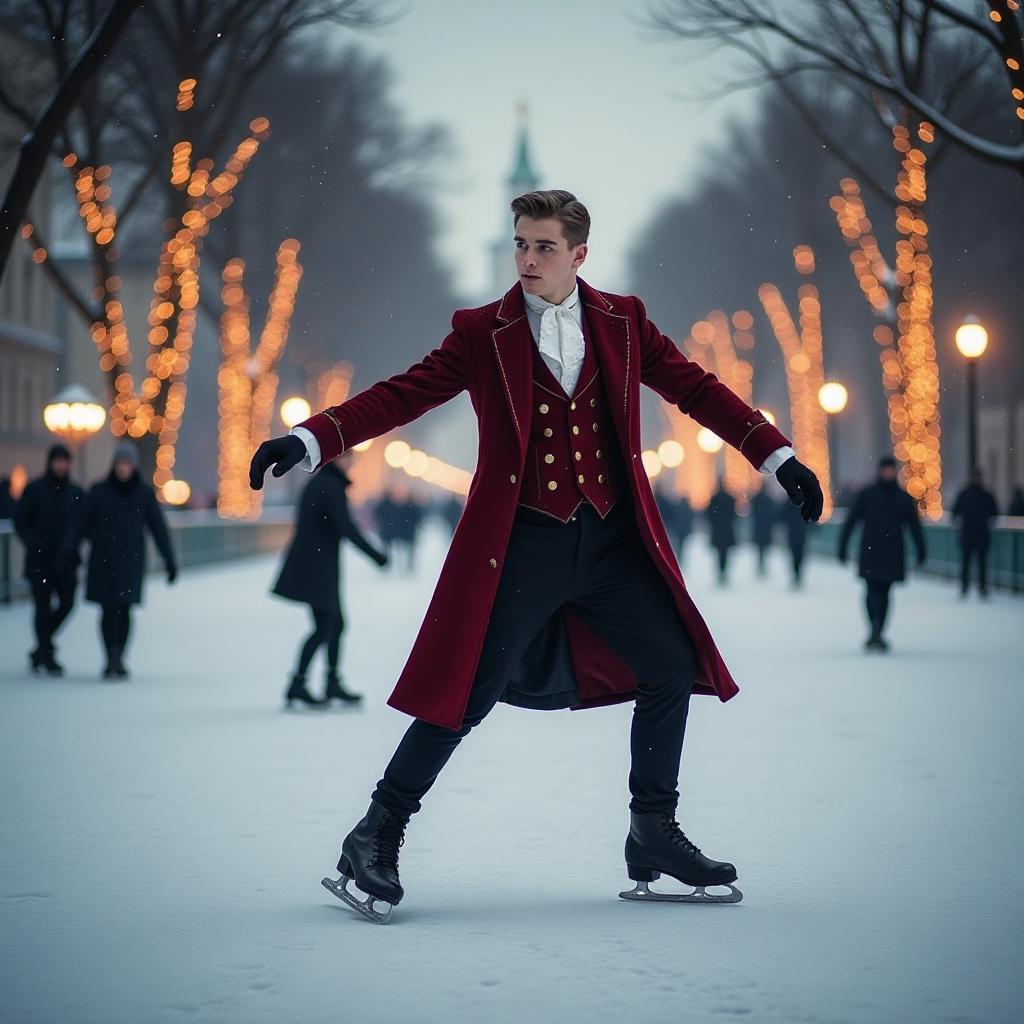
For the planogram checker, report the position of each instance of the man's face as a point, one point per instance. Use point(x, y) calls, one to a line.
point(60, 467)
point(546, 265)
point(123, 470)
point(888, 472)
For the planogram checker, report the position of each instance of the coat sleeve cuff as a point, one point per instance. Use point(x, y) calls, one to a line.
point(312, 459)
point(326, 430)
point(776, 459)
point(760, 440)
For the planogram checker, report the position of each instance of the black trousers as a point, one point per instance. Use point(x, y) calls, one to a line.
point(602, 571)
point(115, 625)
point(968, 555)
point(327, 627)
point(877, 602)
point(47, 619)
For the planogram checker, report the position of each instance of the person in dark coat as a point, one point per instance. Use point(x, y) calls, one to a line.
point(1016, 503)
point(451, 513)
point(310, 574)
point(763, 515)
point(117, 512)
point(7, 501)
point(975, 507)
point(409, 516)
point(796, 538)
point(721, 513)
point(386, 516)
point(44, 519)
point(886, 511)
point(677, 515)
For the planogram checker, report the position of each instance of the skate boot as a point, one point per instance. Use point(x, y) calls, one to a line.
point(35, 660)
point(297, 692)
point(656, 845)
point(335, 691)
point(369, 857)
point(51, 664)
point(875, 641)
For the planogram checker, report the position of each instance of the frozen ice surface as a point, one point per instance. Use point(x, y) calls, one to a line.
point(163, 839)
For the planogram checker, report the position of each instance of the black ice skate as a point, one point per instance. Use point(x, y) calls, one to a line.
point(297, 693)
point(335, 691)
point(369, 857)
point(655, 846)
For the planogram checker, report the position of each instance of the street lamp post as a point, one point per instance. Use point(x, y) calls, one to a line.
point(832, 397)
point(972, 340)
point(74, 416)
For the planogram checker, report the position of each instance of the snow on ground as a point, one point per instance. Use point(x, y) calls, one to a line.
point(163, 840)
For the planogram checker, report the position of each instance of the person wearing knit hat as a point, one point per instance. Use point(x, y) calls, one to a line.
point(44, 519)
point(118, 511)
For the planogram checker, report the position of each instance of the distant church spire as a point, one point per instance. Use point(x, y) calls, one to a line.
point(522, 178)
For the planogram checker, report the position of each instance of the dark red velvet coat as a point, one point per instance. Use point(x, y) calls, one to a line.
point(488, 352)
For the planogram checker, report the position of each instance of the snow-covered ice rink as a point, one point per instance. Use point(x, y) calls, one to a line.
point(163, 839)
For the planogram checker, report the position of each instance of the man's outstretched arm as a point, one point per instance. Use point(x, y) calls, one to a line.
point(701, 395)
point(438, 377)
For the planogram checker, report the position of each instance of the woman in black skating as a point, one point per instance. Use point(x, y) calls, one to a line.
point(310, 574)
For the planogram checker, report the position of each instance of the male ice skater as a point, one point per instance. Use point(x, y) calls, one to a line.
point(560, 588)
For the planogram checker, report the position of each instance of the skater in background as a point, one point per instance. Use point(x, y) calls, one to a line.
point(796, 539)
point(974, 509)
point(408, 518)
point(44, 519)
point(677, 515)
point(763, 515)
point(721, 516)
point(7, 501)
point(116, 515)
point(559, 589)
point(884, 510)
point(1016, 507)
point(386, 514)
point(451, 512)
point(311, 575)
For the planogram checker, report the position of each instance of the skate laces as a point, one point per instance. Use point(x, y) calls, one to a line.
point(677, 835)
point(389, 836)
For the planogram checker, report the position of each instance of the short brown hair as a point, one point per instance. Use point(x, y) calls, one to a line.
point(561, 205)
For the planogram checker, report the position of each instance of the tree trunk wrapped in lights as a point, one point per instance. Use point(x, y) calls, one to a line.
point(153, 414)
point(803, 356)
point(247, 383)
point(902, 298)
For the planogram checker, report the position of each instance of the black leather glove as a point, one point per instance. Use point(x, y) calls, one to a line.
point(802, 487)
point(283, 453)
point(172, 573)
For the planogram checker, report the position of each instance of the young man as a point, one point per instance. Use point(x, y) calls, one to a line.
point(560, 588)
point(885, 510)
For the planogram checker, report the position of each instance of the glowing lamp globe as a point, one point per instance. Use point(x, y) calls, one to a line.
point(74, 414)
point(708, 441)
point(671, 453)
point(971, 338)
point(294, 410)
point(832, 397)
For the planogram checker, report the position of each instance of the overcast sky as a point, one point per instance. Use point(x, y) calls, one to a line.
point(607, 116)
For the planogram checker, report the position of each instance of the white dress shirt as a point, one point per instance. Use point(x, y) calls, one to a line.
point(557, 331)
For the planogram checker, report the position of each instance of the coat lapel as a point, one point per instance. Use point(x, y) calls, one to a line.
point(610, 334)
point(513, 344)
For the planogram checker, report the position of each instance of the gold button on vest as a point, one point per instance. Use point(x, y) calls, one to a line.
point(593, 402)
point(572, 405)
point(576, 430)
point(578, 456)
point(548, 432)
point(543, 407)
point(549, 459)
point(513, 478)
point(552, 486)
point(594, 428)
point(599, 455)
point(494, 563)
point(580, 478)
point(600, 478)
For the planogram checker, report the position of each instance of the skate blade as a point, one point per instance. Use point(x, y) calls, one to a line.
point(642, 894)
point(339, 887)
